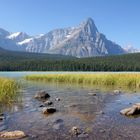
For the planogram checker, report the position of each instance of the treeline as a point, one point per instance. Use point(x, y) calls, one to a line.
point(15, 61)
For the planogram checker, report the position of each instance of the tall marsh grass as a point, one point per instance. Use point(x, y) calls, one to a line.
point(8, 90)
point(106, 79)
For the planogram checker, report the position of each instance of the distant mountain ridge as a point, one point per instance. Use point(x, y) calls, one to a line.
point(83, 40)
point(131, 49)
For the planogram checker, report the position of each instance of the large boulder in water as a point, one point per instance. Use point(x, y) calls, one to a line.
point(134, 110)
point(42, 95)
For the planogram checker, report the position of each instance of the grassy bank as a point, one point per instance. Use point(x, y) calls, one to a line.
point(129, 80)
point(8, 90)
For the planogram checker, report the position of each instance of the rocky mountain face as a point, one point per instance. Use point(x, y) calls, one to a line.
point(81, 41)
point(85, 41)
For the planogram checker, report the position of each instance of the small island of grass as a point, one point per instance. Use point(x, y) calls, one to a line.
point(106, 79)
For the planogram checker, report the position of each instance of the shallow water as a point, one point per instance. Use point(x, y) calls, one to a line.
point(98, 116)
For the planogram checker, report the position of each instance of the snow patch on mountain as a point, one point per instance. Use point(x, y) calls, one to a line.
point(25, 41)
point(14, 35)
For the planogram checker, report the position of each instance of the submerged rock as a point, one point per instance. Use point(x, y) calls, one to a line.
point(117, 91)
point(102, 131)
point(1, 114)
point(42, 95)
point(92, 94)
point(100, 112)
point(48, 103)
point(12, 134)
point(75, 131)
point(57, 99)
point(48, 110)
point(134, 110)
point(42, 106)
point(2, 117)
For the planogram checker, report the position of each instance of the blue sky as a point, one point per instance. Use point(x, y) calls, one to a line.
point(119, 20)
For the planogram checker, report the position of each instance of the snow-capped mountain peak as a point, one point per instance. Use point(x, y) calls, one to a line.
point(83, 40)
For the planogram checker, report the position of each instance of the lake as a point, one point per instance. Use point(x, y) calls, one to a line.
point(98, 117)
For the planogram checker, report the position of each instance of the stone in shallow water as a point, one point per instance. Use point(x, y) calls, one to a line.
point(48, 110)
point(57, 99)
point(42, 106)
point(75, 131)
point(102, 131)
point(117, 91)
point(42, 95)
point(2, 118)
point(48, 103)
point(27, 105)
point(12, 134)
point(100, 112)
point(92, 94)
point(134, 110)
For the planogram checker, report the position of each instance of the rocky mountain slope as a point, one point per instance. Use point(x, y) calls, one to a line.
point(83, 40)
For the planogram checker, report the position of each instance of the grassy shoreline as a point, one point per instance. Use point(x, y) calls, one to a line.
point(129, 80)
point(8, 90)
